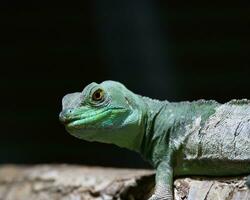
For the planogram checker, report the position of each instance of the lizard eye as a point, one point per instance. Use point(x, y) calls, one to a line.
point(98, 95)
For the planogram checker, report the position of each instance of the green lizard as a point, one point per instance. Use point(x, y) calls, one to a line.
point(185, 138)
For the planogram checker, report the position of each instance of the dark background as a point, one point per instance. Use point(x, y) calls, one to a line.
point(162, 49)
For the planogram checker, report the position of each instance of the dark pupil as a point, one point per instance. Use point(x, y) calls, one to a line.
point(97, 95)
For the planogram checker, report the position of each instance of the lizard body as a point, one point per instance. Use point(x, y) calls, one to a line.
point(184, 138)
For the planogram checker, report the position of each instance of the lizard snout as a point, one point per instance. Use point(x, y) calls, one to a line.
point(64, 115)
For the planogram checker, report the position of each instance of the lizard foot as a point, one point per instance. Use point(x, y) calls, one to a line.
point(162, 194)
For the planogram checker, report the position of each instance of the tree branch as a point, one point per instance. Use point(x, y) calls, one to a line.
point(70, 182)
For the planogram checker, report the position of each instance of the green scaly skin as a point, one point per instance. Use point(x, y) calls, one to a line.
point(185, 138)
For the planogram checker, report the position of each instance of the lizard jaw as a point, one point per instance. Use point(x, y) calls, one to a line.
point(91, 121)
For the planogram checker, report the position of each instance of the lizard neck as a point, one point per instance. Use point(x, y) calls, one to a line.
point(153, 109)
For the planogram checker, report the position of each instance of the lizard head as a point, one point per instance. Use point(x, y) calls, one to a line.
point(106, 112)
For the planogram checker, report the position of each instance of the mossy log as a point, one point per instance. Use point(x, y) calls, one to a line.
point(71, 182)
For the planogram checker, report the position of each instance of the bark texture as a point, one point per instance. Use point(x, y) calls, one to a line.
point(70, 182)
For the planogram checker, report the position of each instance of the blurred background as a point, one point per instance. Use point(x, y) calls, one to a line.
point(161, 49)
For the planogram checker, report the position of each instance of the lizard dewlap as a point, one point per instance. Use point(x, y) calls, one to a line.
point(184, 138)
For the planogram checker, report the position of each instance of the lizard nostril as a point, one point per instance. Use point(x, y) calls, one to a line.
point(64, 115)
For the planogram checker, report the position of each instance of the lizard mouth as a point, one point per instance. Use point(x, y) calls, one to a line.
point(91, 120)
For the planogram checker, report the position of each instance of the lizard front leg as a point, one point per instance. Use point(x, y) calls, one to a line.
point(164, 182)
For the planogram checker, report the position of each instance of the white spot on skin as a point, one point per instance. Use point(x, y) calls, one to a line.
point(191, 151)
point(195, 126)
